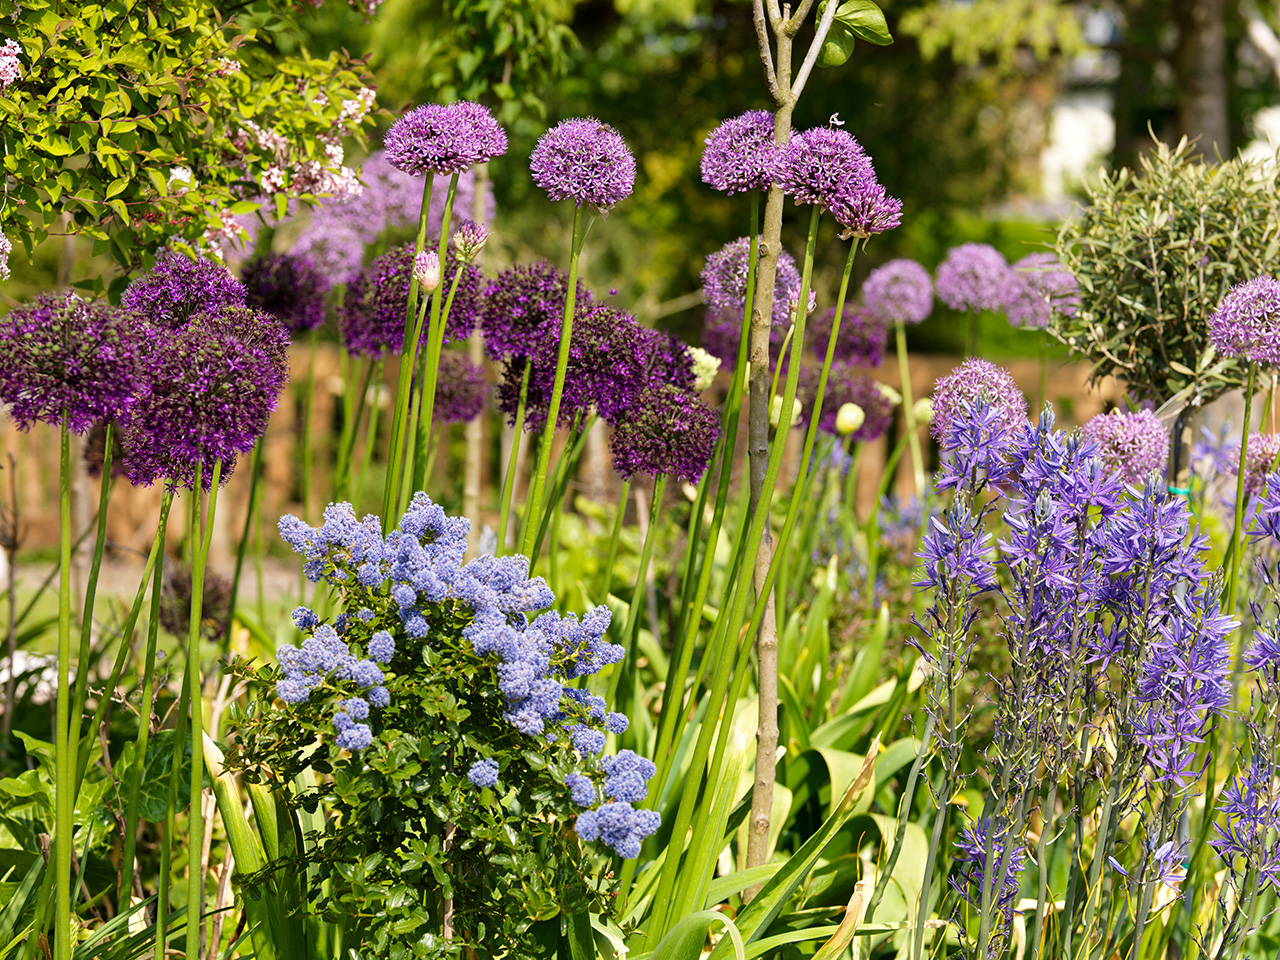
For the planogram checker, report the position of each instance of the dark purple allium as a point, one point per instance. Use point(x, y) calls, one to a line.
point(461, 388)
point(1133, 443)
point(974, 276)
point(900, 291)
point(444, 138)
point(1038, 287)
point(976, 869)
point(740, 154)
point(1247, 321)
point(861, 339)
point(669, 430)
point(1260, 461)
point(287, 286)
point(724, 285)
point(586, 161)
point(668, 359)
point(371, 318)
point(965, 384)
point(827, 166)
point(210, 400)
point(63, 356)
point(847, 384)
point(254, 328)
point(178, 288)
point(524, 306)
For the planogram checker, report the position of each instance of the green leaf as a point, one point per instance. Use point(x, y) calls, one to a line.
point(115, 187)
point(838, 47)
point(687, 938)
point(866, 20)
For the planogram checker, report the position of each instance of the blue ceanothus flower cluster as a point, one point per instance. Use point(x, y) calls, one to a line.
point(400, 588)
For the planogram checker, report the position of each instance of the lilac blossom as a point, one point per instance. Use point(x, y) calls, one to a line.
point(740, 154)
point(1247, 321)
point(900, 291)
point(586, 161)
point(444, 138)
point(178, 288)
point(965, 384)
point(287, 286)
point(974, 276)
point(1136, 444)
point(669, 431)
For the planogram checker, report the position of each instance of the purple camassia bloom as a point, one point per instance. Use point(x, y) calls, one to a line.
point(1249, 841)
point(724, 291)
point(974, 276)
point(1266, 521)
point(178, 288)
point(900, 291)
point(976, 870)
point(444, 138)
point(1134, 443)
point(848, 384)
point(1264, 448)
point(461, 389)
point(217, 382)
point(1247, 321)
point(586, 161)
point(965, 384)
point(289, 287)
point(618, 826)
point(740, 154)
point(61, 356)
point(668, 431)
point(828, 167)
point(1037, 288)
point(861, 340)
point(372, 316)
point(523, 308)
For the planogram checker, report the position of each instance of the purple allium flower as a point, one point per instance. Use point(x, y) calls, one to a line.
point(581, 790)
point(1261, 460)
point(976, 869)
point(1037, 288)
point(60, 355)
point(861, 340)
point(469, 240)
point(900, 291)
point(974, 276)
point(827, 166)
point(964, 385)
point(668, 359)
point(523, 308)
point(724, 290)
point(444, 138)
point(461, 388)
point(1247, 321)
point(287, 286)
point(740, 154)
point(371, 318)
point(210, 400)
point(484, 773)
point(426, 270)
point(1134, 443)
point(847, 384)
point(586, 161)
point(178, 288)
point(669, 431)
point(10, 68)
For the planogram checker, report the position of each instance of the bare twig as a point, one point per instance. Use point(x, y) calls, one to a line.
point(810, 58)
point(775, 15)
point(766, 52)
point(793, 25)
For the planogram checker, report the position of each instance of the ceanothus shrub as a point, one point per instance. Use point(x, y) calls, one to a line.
point(441, 727)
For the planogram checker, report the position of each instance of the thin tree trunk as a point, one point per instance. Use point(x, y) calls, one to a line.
point(1200, 72)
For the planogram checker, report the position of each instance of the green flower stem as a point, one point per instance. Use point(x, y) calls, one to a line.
point(614, 534)
point(509, 478)
point(164, 883)
point(909, 410)
point(308, 404)
point(195, 841)
point(627, 665)
point(408, 354)
point(560, 477)
point(353, 408)
point(1237, 547)
point(63, 758)
point(403, 466)
point(529, 525)
point(251, 513)
point(371, 435)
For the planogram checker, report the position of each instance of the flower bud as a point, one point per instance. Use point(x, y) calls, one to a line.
point(705, 367)
point(849, 418)
point(795, 301)
point(469, 240)
point(923, 410)
point(890, 394)
point(426, 270)
point(775, 411)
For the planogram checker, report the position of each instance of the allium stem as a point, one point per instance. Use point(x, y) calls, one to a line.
point(623, 493)
point(509, 477)
point(553, 501)
point(371, 432)
point(628, 665)
point(1236, 548)
point(353, 405)
point(177, 745)
point(529, 526)
point(250, 514)
point(908, 409)
point(473, 433)
point(63, 758)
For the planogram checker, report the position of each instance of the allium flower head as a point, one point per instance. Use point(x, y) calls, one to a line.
point(861, 339)
point(1037, 288)
point(827, 166)
point(1133, 443)
point(849, 417)
point(426, 270)
point(444, 138)
point(740, 154)
point(669, 431)
point(900, 291)
point(287, 286)
point(523, 308)
point(586, 161)
point(1247, 321)
point(964, 385)
point(974, 276)
point(1260, 461)
point(178, 288)
point(724, 291)
point(60, 355)
point(848, 385)
point(461, 388)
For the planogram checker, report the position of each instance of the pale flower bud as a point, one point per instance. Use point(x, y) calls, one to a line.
point(849, 418)
point(426, 270)
point(795, 301)
point(705, 367)
point(923, 410)
point(775, 411)
point(469, 240)
point(890, 394)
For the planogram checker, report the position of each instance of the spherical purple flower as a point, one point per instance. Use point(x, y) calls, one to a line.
point(178, 288)
point(668, 359)
point(1136, 444)
point(444, 138)
point(847, 384)
point(371, 318)
point(1259, 461)
point(210, 400)
point(287, 286)
point(827, 166)
point(974, 276)
point(724, 290)
point(900, 291)
point(740, 154)
point(669, 431)
point(1247, 321)
point(255, 329)
point(461, 388)
point(1039, 287)
point(861, 339)
point(469, 240)
point(63, 356)
point(967, 382)
point(523, 307)
point(586, 161)
point(484, 773)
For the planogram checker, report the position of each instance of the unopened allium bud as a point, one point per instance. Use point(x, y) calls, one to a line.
point(849, 418)
point(469, 240)
point(426, 270)
point(795, 299)
point(923, 410)
point(890, 394)
point(775, 411)
point(705, 367)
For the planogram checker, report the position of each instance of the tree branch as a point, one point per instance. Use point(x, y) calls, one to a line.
point(793, 25)
point(819, 38)
point(775, 14)
point(766, 54)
